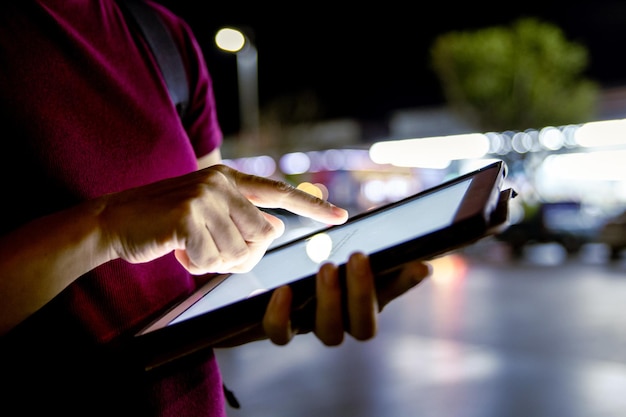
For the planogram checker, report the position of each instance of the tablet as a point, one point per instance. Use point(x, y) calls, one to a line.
point(422, 226)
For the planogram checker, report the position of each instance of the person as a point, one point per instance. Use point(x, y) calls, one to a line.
point(114, 207)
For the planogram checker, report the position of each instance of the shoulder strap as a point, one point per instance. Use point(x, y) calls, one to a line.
point(165, 51)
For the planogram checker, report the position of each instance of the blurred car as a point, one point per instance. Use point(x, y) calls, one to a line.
point(565, 222)
point(613, 235)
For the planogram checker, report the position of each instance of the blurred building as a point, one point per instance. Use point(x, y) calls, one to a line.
point(546, 165)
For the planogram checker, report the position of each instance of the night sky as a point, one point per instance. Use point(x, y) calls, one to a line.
point(368, 61)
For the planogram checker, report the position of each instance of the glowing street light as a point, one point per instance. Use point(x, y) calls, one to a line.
point(235, 41)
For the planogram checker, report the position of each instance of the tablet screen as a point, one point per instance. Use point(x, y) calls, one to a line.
point(368, 234)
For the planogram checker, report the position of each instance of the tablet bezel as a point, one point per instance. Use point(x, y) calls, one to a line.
point(158, 344)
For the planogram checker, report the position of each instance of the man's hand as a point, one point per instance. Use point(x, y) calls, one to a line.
point(331, 319)
point(210, 218)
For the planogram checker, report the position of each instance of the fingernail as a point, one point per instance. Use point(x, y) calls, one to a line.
point(357, 260)
point(339, 212)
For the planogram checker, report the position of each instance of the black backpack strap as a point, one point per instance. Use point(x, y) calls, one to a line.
point(165, 51)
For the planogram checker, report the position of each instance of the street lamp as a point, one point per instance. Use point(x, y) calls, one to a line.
point(234, 41)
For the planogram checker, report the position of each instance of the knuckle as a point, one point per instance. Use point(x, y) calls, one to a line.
point(221, 168)
point(267, 230)
point(217, 176)
point(235, 255)
point(285, 187)
point(286, 190)
point(212, 261)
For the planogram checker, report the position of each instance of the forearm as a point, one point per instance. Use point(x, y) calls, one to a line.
point(208, 218)
point(41, 258)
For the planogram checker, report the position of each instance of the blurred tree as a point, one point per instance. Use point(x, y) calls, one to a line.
point(526, 75)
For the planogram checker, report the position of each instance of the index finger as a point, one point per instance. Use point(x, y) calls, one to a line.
point(269, 193)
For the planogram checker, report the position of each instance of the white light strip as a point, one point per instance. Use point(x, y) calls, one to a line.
point(602, 133)
point(435, 152)
point(588, 166)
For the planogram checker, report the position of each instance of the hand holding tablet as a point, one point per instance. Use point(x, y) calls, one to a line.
point(420, 227)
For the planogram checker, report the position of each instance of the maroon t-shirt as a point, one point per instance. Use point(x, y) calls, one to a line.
point(84, 111)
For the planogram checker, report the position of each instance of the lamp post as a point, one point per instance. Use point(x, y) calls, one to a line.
point(234, 41)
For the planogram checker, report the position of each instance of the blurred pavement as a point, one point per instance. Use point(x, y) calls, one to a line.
point(483, 337)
